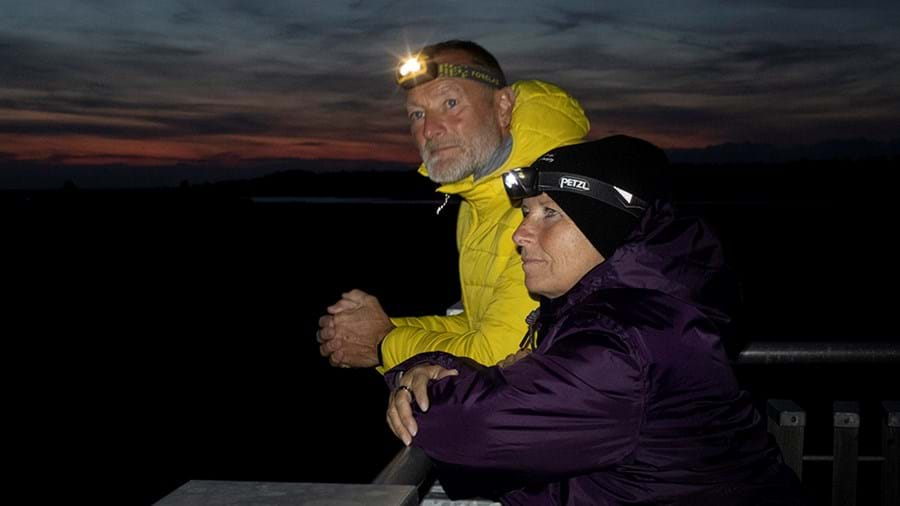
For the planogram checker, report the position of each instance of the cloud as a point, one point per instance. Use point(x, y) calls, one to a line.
point(352, 105)
point(567, 19)
point(320, 73)
point(229, 123)
point(162, 124)
point(130, 49)
point(25, 63)
point(187, 15)
point(767, 55)
point(828, 4)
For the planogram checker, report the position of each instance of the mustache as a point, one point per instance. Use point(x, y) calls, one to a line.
point(433, 145)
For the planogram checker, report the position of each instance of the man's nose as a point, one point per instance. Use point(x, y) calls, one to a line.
point(434, 126)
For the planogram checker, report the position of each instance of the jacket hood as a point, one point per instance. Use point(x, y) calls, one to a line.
point(678, 256)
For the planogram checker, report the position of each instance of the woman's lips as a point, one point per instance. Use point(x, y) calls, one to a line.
point(530, 261)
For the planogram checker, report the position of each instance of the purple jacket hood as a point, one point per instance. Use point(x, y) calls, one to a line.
point(677, 256)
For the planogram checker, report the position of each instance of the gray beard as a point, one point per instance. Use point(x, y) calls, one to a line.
point(477, 168)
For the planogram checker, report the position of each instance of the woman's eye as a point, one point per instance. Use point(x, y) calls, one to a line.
point(416, 115)
point(451, 102)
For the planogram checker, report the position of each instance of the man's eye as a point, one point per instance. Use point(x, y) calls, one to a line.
point(416, 115)
point(524, 211)
point(451, 102)
point(549, 212)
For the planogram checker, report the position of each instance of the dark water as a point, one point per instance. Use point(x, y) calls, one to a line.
point(156, 340)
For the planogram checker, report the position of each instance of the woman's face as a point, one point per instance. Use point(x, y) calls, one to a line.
point(555, 254)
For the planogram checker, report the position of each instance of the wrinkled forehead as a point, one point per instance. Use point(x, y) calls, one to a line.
point(439, 88)
point(445, 85)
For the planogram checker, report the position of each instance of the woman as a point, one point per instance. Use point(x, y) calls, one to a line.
point(628, 396)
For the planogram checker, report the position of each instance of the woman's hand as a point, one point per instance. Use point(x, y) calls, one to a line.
point(512, 358)
point(413, 385)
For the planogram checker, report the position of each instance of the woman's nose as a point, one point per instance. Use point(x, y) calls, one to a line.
point(523, 234)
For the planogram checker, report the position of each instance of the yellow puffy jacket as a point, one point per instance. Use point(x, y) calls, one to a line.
point(494, 297)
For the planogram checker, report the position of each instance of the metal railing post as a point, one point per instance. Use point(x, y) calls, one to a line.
point(787, 423)
point(846, 453)
point(890, 448)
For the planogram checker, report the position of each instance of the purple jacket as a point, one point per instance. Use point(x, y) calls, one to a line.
point(629, 397)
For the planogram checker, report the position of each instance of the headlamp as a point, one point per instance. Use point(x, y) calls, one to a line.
point(530, 182)
point(419, 70)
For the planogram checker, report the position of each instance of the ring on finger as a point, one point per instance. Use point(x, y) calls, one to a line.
point(408, 390)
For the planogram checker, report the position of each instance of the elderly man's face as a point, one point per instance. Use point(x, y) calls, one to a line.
point(457, 124)
point(555, 253)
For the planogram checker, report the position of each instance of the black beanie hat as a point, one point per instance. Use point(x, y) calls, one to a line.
point(628, 163)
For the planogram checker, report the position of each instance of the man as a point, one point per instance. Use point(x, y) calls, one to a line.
point(469, 127)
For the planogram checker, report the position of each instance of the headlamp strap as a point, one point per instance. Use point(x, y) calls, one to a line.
point(467, 72)
point(594, 188)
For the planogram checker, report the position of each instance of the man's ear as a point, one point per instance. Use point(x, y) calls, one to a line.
point(504, 100)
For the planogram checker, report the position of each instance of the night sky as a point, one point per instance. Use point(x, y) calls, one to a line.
point(109, 81)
